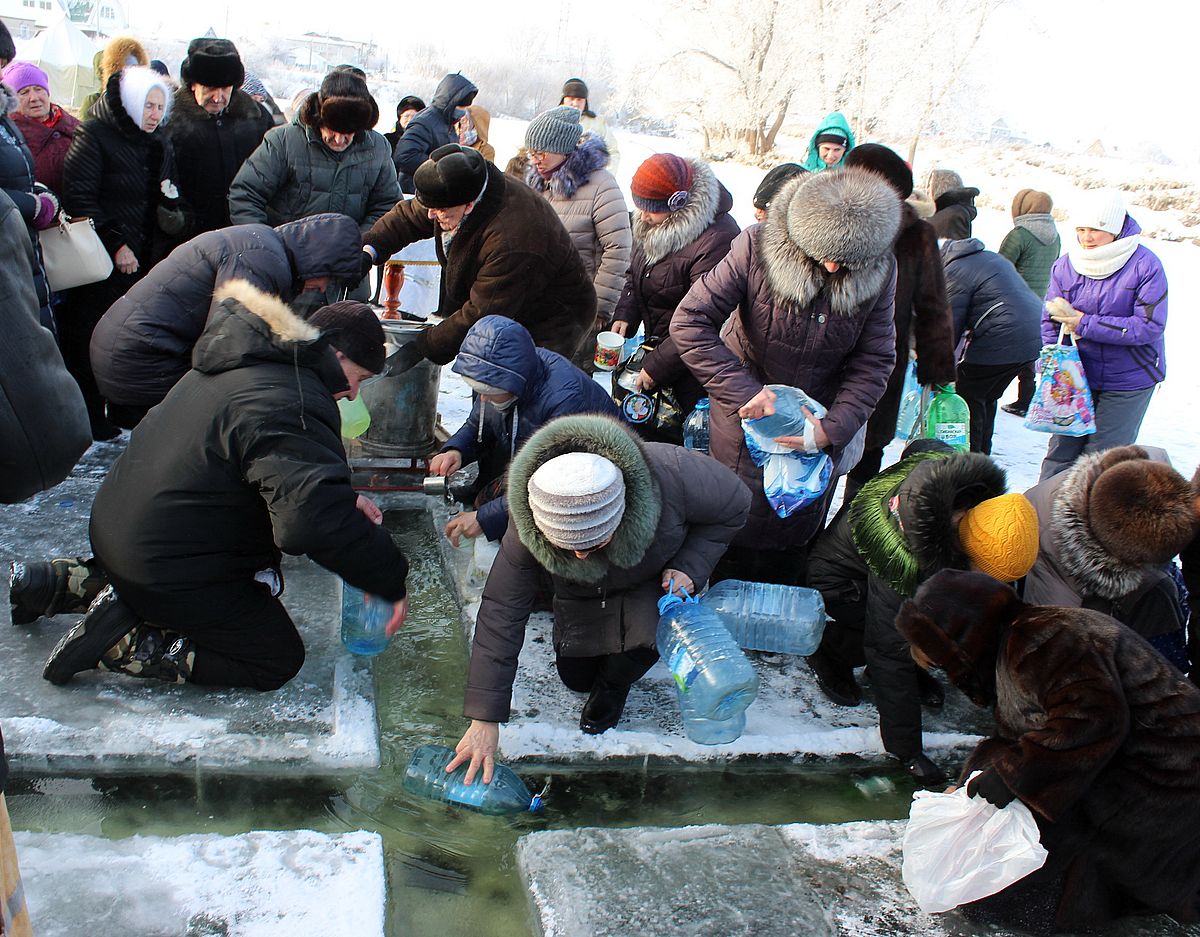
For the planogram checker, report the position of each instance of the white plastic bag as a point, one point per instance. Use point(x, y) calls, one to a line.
point(958, 848)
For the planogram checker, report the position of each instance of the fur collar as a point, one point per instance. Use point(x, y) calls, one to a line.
point(1096, 570)
point(8, 100)
point(585, 159)
point(852, 208)
point(643, 501)
point(685, 225)
point(240, 107)
point(284, 324)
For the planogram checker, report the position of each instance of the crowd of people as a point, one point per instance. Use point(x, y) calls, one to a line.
point(234, 319)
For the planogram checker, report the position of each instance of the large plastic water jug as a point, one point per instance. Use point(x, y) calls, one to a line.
point(364, 619)
point(764, 616)
point(426, 776)
point(705, 731)
point(949, 419)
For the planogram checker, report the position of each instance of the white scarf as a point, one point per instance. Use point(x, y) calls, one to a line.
point(1102, 262)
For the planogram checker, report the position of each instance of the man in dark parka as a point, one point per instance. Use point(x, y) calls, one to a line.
point(1096, 733)
point(502, 248)
point(432, 127)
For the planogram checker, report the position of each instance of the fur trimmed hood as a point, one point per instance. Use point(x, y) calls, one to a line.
point(589, 156)
point(8, 100)
point(851, 216)
point(643, 502)
point(687, 224)
point(116, 55)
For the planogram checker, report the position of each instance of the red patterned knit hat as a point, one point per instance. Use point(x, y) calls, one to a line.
point(662, 183)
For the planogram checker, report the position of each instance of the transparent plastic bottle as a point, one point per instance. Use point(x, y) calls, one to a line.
point(705, 731)
point(763, 616)
point(910, 411)
point(426, 776)
point(695, 428)
point(704, 660)
point(364, 619)
point(949, 419)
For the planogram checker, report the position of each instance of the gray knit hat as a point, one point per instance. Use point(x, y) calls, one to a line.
point(577, 500)
point(554, 131)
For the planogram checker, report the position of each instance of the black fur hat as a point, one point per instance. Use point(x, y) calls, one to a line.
point(1140, 510)
point(884, 162)
point(343, 104)
point(453, 175)
point(212, 62)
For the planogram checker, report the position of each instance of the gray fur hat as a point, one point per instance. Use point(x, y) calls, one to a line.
point(577, 500)
point(850, 216)
point(554, 131)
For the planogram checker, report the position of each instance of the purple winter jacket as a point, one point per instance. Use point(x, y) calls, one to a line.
point(841, 360)
point(1121, 333)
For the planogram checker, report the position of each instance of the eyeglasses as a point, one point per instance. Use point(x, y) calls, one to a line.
point(537, 155)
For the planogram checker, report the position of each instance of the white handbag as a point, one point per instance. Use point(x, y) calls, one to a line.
point(73, 253)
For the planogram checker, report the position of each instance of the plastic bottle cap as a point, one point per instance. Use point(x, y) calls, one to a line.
point(536, 803)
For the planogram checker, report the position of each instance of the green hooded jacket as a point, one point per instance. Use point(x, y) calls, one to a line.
point(835, 122)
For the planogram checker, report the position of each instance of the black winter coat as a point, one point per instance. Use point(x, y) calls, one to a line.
point(667, 259)
point(143, 344)
point(17, 176)
point(431, 128)
point(209, 151)
point(43, 425)
point(988, 296)
point(242, 461)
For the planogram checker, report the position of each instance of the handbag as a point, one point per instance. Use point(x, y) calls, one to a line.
point(1062, 400)
point(73, 254)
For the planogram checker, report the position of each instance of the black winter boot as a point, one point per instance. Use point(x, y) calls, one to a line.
point(835, 679)
point(925, 772)
point(931, 692)
point(107, 622)
point(150, 652)
point(604, 706)
point(43, 589)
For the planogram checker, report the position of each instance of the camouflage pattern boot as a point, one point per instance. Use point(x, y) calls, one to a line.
point(106, 622)
point(43, 589)
point(150, 652)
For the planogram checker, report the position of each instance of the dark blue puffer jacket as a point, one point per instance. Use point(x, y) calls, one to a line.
point(988, 295)
point(498, 351)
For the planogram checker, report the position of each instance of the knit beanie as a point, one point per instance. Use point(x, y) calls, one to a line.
point(1141, 511)
point(481, 388)
point(212, 62)
point(354, 330)
point(253, 85)
point(575, 88)
point(8, 49)
point(554, 131)
point(577, 500)
point(410, 102)
point(883, 162)
point(137, 81)
point(835, 137)
point(1031, 202)
point(453, 175)
point(773, 181)
point(662, 183)
point(18, 75)
point(1104, 211)
point(343, 104)
point(1000, 535)
point(941, 181)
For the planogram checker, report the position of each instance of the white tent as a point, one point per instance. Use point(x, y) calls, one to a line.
point(65, 54)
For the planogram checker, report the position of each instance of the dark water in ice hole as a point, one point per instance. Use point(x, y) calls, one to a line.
point(450, 872)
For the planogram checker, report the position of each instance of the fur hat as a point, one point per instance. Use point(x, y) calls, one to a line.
point(1104, 211)
point(884, 162)
point(214, 63)
point(18, 75)
point(354, 330)
point(575, 88)
point(8, 48)
point(773, 181)
point(343, 104)
point(554, 131)
point(662, 183)
point(1031, 202)
point(453, 175)
point(1000, 535)
point(410, 102)
point(1139, 510)
point(577, 500)
point(941, 181)
point(850, 216)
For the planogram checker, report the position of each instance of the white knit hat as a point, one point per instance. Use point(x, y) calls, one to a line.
point(481, 388)
point(1104, 211)
point(577, 500)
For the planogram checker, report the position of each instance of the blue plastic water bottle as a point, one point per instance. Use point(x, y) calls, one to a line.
point(363, 621)
point(704, 660)
point(695, 428)
point(764, 616)
point(705, 731)
point(426, 776)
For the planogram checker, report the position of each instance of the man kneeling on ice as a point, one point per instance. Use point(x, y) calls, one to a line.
point(242, 461)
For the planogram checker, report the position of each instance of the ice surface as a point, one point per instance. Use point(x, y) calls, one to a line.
point(260, 884)
point(840, 880)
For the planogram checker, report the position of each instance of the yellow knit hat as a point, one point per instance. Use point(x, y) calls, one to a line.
point(1000, 536)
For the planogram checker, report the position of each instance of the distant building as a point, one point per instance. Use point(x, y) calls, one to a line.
point(1096, 149)
point(26, 18)
point(313, 49)
point(1000, 134)
point(98, 17)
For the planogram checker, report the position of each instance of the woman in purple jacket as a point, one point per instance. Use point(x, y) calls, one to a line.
point(1114, 300)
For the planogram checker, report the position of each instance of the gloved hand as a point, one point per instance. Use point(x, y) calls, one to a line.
point(991, 788)
point(405, 357)
point(367, 263)
point(47, 210)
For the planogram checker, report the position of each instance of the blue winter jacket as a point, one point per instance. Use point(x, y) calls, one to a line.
point(1121, 334)
point(498, 351)
point(988, 296)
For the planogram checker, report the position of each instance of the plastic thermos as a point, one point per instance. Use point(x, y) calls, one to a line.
point(356, 418)
point(695, 428)
point(705, 731)
point(707, 665)
point(426, 777)
point(764, 616)
point(949, 419)
point(364, 619)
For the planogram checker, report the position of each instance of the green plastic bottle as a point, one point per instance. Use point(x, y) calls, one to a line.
point(355, 417)
point(949, 419)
